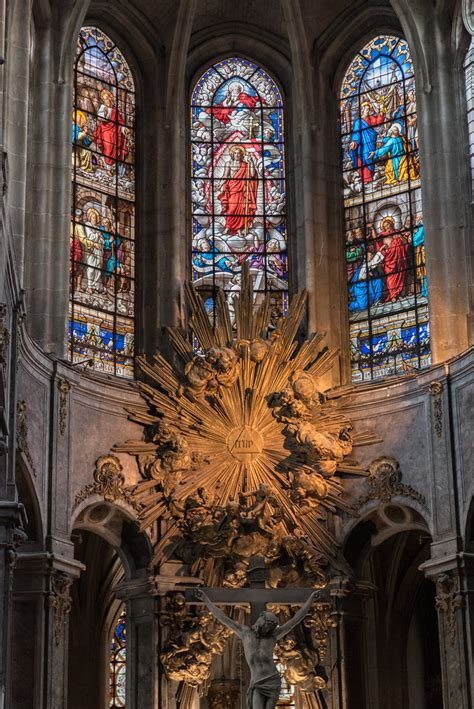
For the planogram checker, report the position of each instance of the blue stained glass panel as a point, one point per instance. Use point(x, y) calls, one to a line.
point(385, 252)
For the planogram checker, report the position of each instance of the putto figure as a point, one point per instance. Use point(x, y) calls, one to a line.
point(259, 642)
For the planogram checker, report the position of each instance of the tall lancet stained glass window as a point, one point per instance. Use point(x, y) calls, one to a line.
point(118, 652)
point(101, 326)
point(385, 252)
point(238, 183)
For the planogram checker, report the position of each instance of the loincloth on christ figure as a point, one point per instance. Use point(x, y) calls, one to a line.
point(265, 686)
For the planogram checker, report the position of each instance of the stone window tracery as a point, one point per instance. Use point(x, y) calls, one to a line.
point(102, 255)
point(385, 252)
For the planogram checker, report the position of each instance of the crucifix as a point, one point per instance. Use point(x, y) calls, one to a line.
point(258, 639)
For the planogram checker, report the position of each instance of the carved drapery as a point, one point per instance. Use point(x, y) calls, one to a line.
point(448, 601)
point(435, 390)
point(59, 600)
point(64, 388)
point(22, 434)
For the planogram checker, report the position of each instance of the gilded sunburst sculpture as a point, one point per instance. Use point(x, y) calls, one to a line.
point(242, 452)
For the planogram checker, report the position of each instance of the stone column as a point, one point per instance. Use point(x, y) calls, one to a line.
point(142, 645)
point(41, 607)
point(11, 535)
point(454, 632)
point(57, 25)
point(345, 663)
point(444, 170)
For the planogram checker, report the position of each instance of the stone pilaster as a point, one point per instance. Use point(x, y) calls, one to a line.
point(345, 661)
point(453, 598)
point(41, 606)
point(142, 655)
point(11, 535)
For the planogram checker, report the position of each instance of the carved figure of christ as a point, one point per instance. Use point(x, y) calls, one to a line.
point(258, 639)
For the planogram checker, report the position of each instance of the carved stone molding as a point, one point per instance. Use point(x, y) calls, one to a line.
point(59, 599)
point(385, 482)
point(109, 483)
point(22, 434)
point(448, 601)
point(64, 388)
point(436, 389)
point(4, 333)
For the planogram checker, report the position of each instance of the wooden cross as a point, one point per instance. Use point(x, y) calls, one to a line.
point(257, 595)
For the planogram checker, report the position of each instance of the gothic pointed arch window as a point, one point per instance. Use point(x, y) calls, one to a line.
point(238, 184)
point(385, 253)
point(102, 255)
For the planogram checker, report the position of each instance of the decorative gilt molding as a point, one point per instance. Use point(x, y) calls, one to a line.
point(448, 601)
point(59, 599)
point(436, 389)
point(64, 388)
point(4, 333)
point(109, 483)
point(321, 620)
point(385, 482)
point(22, 434)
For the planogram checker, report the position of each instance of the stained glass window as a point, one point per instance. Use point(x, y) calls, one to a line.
point(118, 652)
point(469, 75)
point(102, 258)
point(385, 252)
point(238, 183)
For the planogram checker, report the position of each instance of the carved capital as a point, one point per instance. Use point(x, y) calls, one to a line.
point(64, 388)
point(385, 482)
point(109, 483)
point(59, 600)
point(448, 601)
point(435, 390)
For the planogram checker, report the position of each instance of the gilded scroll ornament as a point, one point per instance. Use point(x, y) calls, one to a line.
point(64, 388)
point(448, 601)
point(240, 443)
point(109, 483)
point(320, 621)
point(385, 482)
point(436, 389)
point(22, 434)
point(59, 599)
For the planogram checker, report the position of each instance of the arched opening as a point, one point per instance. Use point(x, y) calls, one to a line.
point(92, 622)
point(107, 541)
point(392, 654)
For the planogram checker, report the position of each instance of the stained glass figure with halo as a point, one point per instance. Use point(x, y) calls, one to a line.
point(102, 252)
point(238, 183)
point(385, 251)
